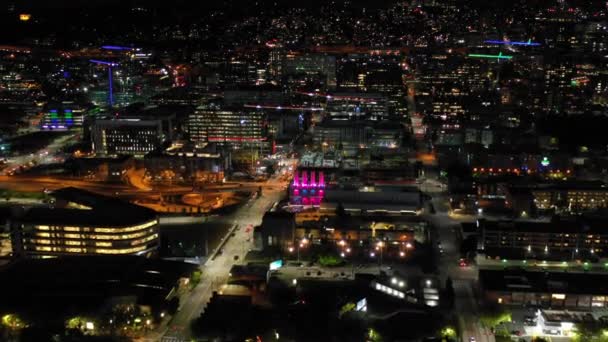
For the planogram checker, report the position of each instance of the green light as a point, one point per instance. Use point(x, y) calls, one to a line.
point(525, 261)
point(499, 56)
point(545, 162)
point(504, 260)
point(586, 264)
point(564, 263)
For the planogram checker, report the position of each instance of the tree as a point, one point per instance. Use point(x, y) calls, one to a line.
point(270, 169)
point(173, 305)
point(539, 339)
point(340, 211)
point(449, 292)
point(195, 278)
point(494, 315)
point(591, 330)
point(329, 260)
point(373, 335)
point(348, 307)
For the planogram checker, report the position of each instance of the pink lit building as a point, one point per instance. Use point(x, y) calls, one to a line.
point(307, 187)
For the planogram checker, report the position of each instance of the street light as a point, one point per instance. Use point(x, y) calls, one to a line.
point(380, 246)
point(301, 244)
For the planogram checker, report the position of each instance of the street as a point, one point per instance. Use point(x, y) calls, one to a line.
point(215, 271)
point(464, 278)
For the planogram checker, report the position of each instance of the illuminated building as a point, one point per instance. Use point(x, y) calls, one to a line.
point(228, 126)
point(345, 106)
point(186, 163)
point(311, 65)
point(131, 134)
point(560, 239)
point(358, 134)
point(84, 223)
point(109, 65)
point(560, 289)
point(373, 200)
point(275, 61)
point(398, 232)
point(126, 136)
point(575, 196)
point(308, 187)
point(62, 117)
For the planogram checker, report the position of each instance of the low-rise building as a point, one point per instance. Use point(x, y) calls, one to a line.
point(186, 163)
point(79, 222)
point(373, 200)
point(558, 239)
point(104, 169)
point(550, 290)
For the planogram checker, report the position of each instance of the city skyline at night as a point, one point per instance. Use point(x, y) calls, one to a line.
point(418, 170)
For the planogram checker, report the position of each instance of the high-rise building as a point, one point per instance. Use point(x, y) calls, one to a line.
point(311, 64)
point(126, 136)
point(134, 131)
point(228, 126)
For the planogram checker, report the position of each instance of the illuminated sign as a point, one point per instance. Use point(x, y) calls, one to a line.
point(275, 265)
point(362, 305)
point(545, 162)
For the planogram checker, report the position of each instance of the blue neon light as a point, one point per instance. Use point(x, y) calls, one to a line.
point(506, 42)
point(109, 65)
point(115, 47)
point(96, 61)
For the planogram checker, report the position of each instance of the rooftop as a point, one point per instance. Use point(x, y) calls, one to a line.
point(560, 282)
point(102, 211)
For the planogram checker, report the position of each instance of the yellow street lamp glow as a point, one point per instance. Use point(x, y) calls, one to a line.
point(25, 16)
